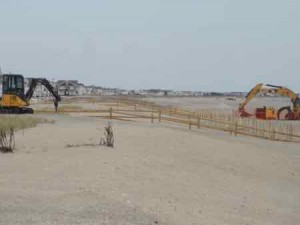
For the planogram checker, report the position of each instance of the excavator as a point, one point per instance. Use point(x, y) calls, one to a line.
point(291, 112)
point(15, 101)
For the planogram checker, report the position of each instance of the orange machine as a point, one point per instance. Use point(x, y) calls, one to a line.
point(292, 113)
point(266, 113)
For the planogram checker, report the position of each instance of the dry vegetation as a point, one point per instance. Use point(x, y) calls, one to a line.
point(10, 124)
point(109, 136)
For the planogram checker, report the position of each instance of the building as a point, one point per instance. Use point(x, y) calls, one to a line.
point(93, 90)
point(69, 87)
point(81, 89)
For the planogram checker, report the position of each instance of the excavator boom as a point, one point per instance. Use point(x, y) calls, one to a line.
point(46, 84)
point(252, 93)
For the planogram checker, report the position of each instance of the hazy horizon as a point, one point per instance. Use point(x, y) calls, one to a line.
point(219, 45)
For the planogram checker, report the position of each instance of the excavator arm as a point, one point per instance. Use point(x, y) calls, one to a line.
point(283, 91)
point(45, 83)
point(254, 91)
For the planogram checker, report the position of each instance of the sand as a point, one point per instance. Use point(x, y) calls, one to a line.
point(221, 104)
point(155, 174)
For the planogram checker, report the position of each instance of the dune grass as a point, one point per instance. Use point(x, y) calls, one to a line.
point(20, 122)
point(9, 124)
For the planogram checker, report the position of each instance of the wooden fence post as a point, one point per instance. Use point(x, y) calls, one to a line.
point(273, 134)
point(256, 127)
point(110, 113)
point(198, 122)
point(190, 124)
point(291, 133)
point(236, 128)
point(159, 116)
point(231, 125)
point(152, 119)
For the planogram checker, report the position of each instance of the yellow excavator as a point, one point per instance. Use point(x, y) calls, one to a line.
point(15, 101)
point(291, 112)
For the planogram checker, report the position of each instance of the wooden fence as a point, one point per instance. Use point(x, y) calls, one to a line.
point(125, 109)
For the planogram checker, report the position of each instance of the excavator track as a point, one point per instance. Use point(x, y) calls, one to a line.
point(16, 111)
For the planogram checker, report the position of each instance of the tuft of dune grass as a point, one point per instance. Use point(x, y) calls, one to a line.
point(19, 122)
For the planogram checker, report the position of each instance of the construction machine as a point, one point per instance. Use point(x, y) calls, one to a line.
point(291, 112)
point(14, 100)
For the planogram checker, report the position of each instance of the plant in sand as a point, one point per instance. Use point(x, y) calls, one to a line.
point(7, 140)
point(108, 140)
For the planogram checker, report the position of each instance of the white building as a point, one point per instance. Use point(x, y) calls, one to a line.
point(68, 87)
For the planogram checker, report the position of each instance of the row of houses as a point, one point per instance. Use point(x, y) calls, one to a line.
point(75, 88)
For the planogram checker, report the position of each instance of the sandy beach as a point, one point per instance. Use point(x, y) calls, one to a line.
point(155, 174)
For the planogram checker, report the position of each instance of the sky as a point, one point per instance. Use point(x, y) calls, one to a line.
point(200, 45)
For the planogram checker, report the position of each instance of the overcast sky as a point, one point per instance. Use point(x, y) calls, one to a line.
point(210, 45)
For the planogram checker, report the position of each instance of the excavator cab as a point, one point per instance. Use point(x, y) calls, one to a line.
point(13, 84)
point(13, 91)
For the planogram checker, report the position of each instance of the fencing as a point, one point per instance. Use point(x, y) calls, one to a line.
point(125, 109)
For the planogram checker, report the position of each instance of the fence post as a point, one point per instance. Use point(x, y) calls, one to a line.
point(256, 127)
point(291, 133)
point(190, 124)
point(110, 113)
point(152, 119)
point(230, 124)
point(198, 122)
point(236, 128)
point(159, 115)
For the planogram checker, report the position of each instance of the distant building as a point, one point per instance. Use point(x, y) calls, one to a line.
point(234, 94)
point(198, 94)
point(69, 87)
point(89, 90)
point(138, 92)
point(98, 91)
point(93, 90)
point(155, 92)
point(81, 89)
point(123, 92)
